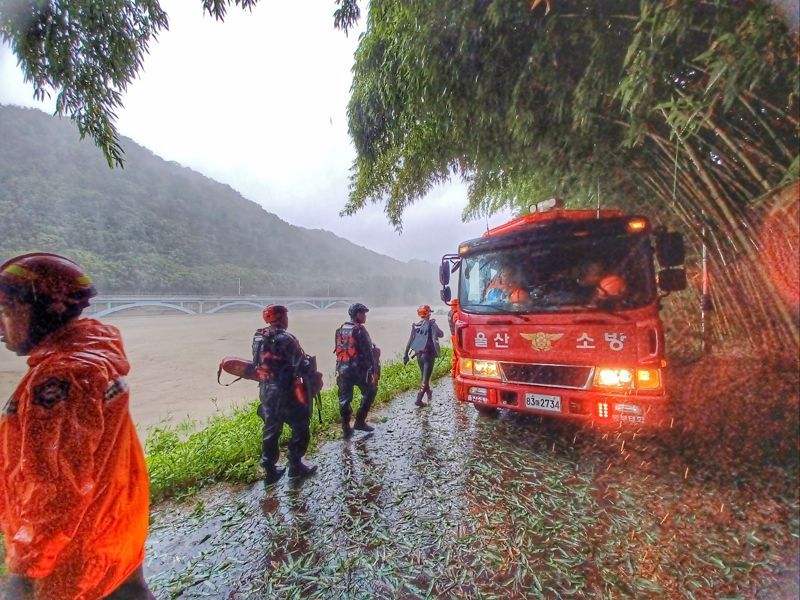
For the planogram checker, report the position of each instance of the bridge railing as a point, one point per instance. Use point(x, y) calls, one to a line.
point(105, 305)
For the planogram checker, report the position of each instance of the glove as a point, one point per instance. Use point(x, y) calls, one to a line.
point(405, 359)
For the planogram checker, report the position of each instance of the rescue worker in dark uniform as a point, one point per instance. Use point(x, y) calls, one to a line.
point(424, 341)
point(357, 364)
point(278, 358)
point(74, 491)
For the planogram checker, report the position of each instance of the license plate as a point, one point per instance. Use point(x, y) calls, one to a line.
point(631, 419)
point(543, 402)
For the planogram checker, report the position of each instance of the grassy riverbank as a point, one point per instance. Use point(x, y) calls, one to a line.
point(229, 446)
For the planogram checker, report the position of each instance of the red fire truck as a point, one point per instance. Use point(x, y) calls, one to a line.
point(558, 314)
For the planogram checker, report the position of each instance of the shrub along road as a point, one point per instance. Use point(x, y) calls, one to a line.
point(444, 502)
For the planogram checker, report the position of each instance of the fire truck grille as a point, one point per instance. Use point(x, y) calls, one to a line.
point(547, 375)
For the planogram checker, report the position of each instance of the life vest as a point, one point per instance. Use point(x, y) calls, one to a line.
point(345, 344)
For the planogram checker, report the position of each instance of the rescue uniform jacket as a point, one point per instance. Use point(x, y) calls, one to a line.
point(74, 490)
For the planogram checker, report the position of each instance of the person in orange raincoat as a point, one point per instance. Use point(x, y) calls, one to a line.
point(73, 481)
point(452, 317)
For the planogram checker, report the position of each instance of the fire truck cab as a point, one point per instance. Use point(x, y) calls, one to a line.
point(558, 314)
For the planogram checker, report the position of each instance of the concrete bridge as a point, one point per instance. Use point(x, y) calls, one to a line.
point(103, 306)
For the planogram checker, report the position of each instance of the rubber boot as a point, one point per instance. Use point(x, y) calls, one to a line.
point(362, 425)
point(347, 431)
point(301, 470)
point(419, 401)
point(273, 475)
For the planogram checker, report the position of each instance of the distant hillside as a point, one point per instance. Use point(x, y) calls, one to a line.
point(156, 226)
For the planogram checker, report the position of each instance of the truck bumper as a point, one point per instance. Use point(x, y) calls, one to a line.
point(636, 409)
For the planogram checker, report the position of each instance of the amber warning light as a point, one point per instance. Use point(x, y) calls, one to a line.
point(637, 225)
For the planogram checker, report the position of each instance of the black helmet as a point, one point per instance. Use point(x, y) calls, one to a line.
point(355, 309)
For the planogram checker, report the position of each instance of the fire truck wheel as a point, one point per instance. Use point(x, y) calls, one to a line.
point(485, 410)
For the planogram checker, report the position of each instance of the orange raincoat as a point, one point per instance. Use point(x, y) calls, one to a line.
point(73, 482)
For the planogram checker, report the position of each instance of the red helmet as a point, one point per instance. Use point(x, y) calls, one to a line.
point(612, 286)
point(49, 278)
point(424, 311)
point(273, 313)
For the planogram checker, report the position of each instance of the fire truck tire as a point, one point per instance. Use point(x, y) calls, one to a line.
point(485, 410)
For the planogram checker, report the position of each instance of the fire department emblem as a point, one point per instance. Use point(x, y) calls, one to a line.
point(542, 341)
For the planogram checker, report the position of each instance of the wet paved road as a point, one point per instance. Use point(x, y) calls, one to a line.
point(444, 502)
point(377, 502)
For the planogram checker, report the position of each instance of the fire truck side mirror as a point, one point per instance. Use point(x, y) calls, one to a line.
point(670, 250)
point(444, 273)
point(672, 280)
point(445, 295)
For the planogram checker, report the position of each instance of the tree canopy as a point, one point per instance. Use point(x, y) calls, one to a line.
point(525, 104)
point(88, 52)
point(687, 110)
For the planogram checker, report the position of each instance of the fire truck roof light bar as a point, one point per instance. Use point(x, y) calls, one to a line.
point(545, 205)
point(556, 229)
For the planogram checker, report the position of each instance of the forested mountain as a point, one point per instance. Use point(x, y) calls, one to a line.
point(156, 226)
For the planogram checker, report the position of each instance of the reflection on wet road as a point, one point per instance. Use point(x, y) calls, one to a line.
point(444, 502)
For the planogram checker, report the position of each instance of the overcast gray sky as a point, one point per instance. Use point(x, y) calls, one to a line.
point(259, 102)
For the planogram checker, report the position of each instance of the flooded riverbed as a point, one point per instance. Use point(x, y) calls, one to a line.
point(174, 357)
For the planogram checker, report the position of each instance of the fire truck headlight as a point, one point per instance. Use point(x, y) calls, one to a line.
point(613, 378)
point(648, 379)
point(465, 366)
point(485, 368)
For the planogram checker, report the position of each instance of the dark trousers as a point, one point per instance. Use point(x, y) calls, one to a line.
point(133, 588)
point(24, 588)
point(347, 380)
point(279, 406)
point(425, 360)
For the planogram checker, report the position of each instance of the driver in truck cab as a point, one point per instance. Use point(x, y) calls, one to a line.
point(504, 288)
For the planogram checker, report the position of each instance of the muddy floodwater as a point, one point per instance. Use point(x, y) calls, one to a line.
point(174, 356)
point(444, 502)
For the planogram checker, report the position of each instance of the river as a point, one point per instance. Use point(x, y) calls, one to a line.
point(174, 357)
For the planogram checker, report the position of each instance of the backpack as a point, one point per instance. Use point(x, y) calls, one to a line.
point(311, 382)
point(345, 349)
point(421, 334)
point(311, 377)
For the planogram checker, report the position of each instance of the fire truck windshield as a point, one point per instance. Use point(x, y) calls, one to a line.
point(599, 273)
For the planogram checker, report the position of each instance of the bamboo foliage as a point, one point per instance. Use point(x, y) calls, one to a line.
point(686, 110)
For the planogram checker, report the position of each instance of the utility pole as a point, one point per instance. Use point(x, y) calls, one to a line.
point(239, 282)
